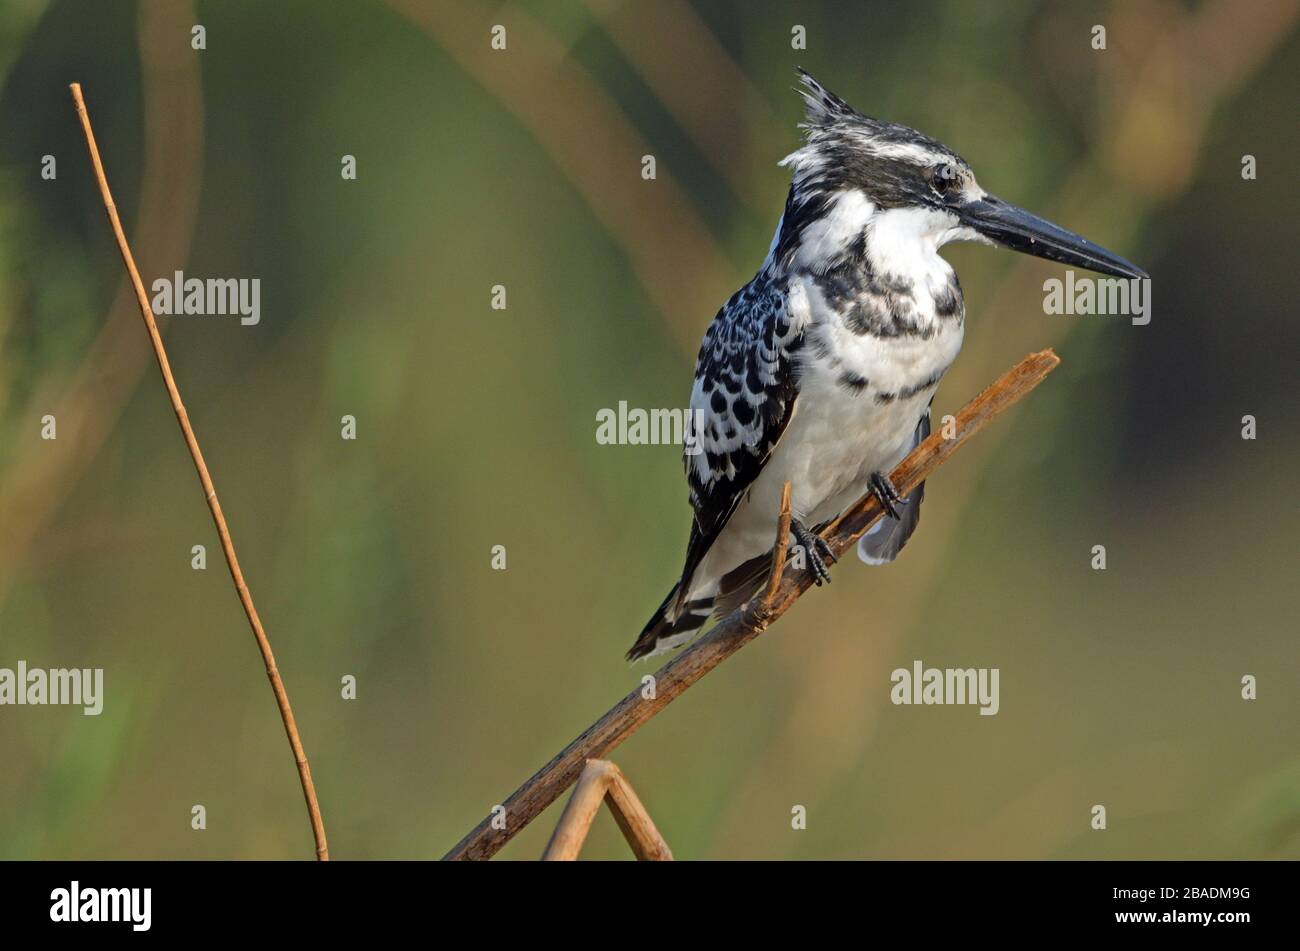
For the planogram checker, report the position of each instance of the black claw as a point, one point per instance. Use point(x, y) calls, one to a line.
point(815, 547)
point(884, 491)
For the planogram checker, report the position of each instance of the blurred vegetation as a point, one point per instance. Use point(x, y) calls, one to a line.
point(476, 428)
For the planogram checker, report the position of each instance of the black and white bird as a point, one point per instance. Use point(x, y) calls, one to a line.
point(821, 370)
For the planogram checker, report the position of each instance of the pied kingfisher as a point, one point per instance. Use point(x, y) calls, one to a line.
point(821, 370)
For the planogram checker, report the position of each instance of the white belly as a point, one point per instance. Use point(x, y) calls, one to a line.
point(837, 436)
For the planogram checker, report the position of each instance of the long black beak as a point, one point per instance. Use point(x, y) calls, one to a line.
point(1018, 230)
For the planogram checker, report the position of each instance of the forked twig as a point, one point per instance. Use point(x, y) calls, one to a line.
point(602, 781)
point(209, 490)
point(780, 548)
point(746, 622)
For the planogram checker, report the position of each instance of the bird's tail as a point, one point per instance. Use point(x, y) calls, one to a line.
point(671, 627)
point(887, 537)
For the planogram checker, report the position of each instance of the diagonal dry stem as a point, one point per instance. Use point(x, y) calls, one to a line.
point(602, 781)
point(209, 490)
point(745, 623)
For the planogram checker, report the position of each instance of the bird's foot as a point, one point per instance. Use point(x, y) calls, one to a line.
point(883, 489)
point(816, 549)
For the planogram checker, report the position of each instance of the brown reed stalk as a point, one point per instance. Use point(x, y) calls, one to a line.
point(742, 625)
point(603, 782)
point(209, 490)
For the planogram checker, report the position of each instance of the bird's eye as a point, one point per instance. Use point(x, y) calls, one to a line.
point(945, 176)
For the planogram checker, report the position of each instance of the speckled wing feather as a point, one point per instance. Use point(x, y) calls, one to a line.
point(745, 391)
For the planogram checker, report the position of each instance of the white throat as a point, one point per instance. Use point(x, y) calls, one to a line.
point(905, 243)
point(902, 243)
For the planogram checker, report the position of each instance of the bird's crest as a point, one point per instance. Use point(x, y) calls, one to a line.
point(822, 106)
point(836, 134)
point(828, 119)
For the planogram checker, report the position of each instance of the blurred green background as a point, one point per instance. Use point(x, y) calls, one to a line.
point(476, 428)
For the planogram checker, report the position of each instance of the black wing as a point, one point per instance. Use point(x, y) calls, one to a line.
point(745, 391)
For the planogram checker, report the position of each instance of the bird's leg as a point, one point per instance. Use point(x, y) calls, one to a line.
point(883, 489)
point(816, 548)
